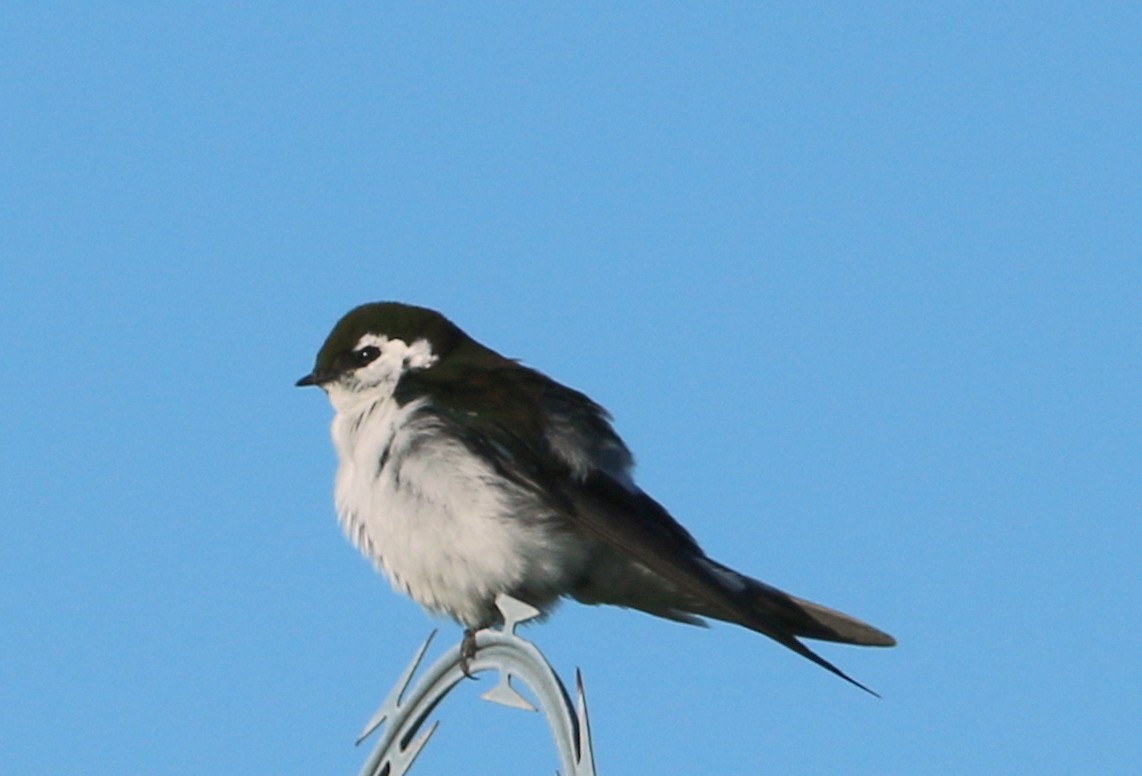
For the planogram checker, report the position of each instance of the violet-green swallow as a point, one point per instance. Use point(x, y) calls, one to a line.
point(464, 474)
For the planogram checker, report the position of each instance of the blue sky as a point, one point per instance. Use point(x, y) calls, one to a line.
point(861, 284)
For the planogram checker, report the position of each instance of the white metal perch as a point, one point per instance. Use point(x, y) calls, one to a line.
point(403, 714)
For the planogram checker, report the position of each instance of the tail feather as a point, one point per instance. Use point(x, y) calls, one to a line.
point(785, 618)
point(645, 560)
point(813, 621)
point(792, 643)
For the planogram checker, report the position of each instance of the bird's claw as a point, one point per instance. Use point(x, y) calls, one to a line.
point(468, 652)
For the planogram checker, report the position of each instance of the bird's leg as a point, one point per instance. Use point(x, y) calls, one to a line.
point(468, 651)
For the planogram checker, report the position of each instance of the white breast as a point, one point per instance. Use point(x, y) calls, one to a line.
point(438, 520)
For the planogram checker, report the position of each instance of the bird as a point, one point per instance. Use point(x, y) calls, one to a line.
point(463, 474)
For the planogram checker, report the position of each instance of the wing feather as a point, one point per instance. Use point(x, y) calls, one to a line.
point(560, 445)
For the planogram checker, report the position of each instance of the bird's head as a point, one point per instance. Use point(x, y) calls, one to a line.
point(373, 345)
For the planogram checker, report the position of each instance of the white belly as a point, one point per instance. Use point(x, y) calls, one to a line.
point(439, 522)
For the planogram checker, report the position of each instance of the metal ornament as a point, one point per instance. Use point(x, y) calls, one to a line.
point(496, 650)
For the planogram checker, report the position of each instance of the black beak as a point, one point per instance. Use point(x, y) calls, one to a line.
point(318, 377)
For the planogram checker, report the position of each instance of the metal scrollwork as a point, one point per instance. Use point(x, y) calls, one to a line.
point(403, 714)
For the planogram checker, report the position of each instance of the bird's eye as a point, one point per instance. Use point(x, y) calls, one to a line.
point(366, 355)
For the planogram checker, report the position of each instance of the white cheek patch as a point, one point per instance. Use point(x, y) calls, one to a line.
point(397, 357)
point(419, 355)
point(376, 380)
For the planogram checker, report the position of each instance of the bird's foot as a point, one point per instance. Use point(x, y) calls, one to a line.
point(468, 651)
